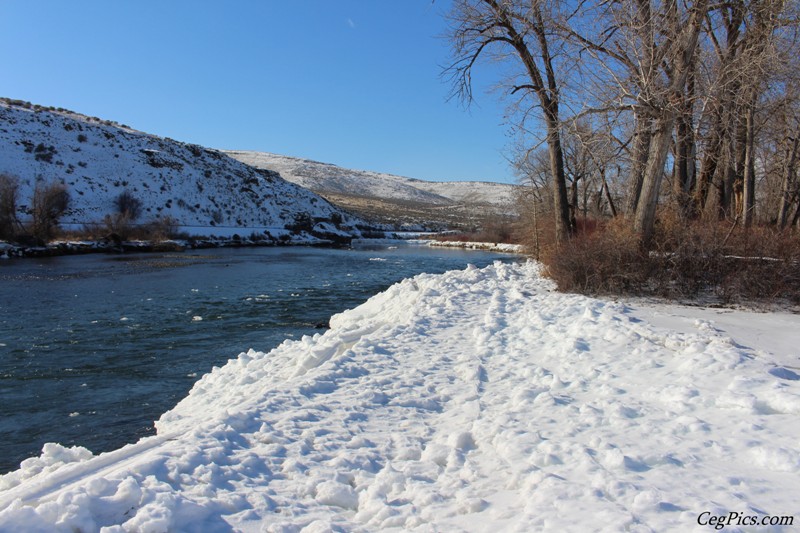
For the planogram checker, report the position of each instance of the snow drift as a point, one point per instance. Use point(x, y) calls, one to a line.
point(478, 400)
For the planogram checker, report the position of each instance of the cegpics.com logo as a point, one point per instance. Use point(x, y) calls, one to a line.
point(742, 519)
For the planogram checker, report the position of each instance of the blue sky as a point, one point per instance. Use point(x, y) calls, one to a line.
point(351, 82)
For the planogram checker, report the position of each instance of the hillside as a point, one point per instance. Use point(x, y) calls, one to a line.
point(204, 190)
point(381, 197)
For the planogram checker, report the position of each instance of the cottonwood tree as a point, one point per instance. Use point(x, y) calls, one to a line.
point(754, 68)
point(724, 28)
point(649, 51)
point(782, 159)
point(745, 48)
point(518, 31)
point(790, 184)
point(687, 81)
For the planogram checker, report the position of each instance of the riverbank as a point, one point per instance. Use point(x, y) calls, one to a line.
point(76, 247)
point(469, 245)
point(112, 341)
point(110, 246)
point(477, 400)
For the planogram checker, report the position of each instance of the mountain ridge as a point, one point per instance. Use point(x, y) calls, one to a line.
point(383, 197)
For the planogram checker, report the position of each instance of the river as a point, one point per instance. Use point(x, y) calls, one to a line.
point(94, 348)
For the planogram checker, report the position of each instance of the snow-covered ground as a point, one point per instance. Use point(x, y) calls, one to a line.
point(477, 400)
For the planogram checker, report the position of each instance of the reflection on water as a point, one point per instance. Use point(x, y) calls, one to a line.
point(94, 348)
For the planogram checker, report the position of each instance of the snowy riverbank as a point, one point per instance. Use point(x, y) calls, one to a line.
point(478, 400)
point(63, 247)
point(469, 245)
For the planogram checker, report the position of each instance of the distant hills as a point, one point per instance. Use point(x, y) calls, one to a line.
point(388, 198)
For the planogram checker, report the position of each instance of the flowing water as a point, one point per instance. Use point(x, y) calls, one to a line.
point(94, 348)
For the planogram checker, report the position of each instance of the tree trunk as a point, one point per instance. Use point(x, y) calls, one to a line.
point(645, 217)
point(608, 196)
point(786, 184)
point(680, 60)
point(796, 218)
point(727, 183)
point(749, 174)
point(573, 202)
point(641, 148)
point(560, 200)
point(684, 169)
point(685, 149)
point(708, 168)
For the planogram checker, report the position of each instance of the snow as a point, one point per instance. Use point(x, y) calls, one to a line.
point(204, 190)
point(475, 400)
point(501, 247)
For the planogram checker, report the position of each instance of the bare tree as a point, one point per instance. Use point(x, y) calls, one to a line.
point(789, 185)
point(50, 201)
point(781, 155)
point(648, 49)
point(9, 195)
point(522, 30)
point(588, 156)
point(676, 54)
point(128, 206)
point(689, 78)
point(532, 168)
point(724, 30)
point(748, 48)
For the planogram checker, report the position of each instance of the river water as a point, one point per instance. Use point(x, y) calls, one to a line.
point(94, 348)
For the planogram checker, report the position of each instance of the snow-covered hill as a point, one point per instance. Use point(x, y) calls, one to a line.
point(327, 178)
point(441, 201)
point(205, 190)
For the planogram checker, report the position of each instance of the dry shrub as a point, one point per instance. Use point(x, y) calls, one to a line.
point(119, 228)
point(494, 230)
point(685, 260)
point(605, 261)
point(761, 263)
point(162, 228)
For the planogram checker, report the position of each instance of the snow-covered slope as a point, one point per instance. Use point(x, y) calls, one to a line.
point(499, 195)
point(478, 400)
point(205, 190)
point(326, 178)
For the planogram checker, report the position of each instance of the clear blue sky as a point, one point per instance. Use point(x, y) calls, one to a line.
point(351, 82)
